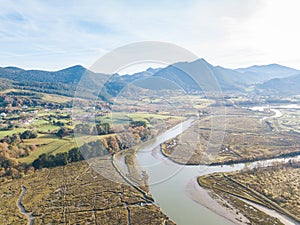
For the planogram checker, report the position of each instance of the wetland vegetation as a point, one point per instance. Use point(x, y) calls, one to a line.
point(65, 157)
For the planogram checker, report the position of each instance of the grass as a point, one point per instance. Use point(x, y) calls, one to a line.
point(274, 187)
point(11, 132)
point(56, 98)
point(49, 143)
point(246, 138)
point(48, 128)
point(289, 121)
point(46, 97)
point(77, 194)
point(9, 212)
point(281, 184)
point(117, 118)
point(231, 195)
point(41, 122)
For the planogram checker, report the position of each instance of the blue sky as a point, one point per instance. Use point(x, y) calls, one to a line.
point(52, 34)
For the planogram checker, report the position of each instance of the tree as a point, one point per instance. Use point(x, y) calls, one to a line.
point(74, 155)
point(15, 139)
point(103, 128)
point(28, 134)
point(62, 132)
point(61, 159)
point(139, 123)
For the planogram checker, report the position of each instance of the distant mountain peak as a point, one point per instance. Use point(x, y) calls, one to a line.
point(13, 69)
point(177, 73)
point(74, 68)
point(200, 60)
point(262, 73)
point(267, 66)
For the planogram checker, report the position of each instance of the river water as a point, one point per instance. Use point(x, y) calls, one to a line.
point(170, 183)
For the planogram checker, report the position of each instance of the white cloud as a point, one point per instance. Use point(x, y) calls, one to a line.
point(54, 34)
point(270, 35)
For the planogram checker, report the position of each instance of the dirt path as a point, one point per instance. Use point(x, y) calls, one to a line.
point(28, 215)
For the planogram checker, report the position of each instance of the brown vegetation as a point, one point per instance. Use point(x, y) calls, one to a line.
point(77, 194)
point(246, 138)
point(273, 187)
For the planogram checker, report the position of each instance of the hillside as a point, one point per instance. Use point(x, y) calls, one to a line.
point(282, 86)
point(182, 75)
point(259, 74)
point(190, 75)
point(69, 75)
point(62, 82)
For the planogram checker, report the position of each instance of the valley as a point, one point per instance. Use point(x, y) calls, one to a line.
point(127, 154)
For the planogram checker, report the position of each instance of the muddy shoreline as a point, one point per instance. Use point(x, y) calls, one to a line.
point(233, 162)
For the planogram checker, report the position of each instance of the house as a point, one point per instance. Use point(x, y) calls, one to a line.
point(35, 112)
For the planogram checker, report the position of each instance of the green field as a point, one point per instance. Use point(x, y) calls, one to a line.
point(125, 118)
point(11, 132)
point(52, 144)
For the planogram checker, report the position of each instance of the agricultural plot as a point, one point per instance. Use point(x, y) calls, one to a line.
point(11, 132)
point(49, 143)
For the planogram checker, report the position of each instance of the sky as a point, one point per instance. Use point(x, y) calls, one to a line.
point(54, 34)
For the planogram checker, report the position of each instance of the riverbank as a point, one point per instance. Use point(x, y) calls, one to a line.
point(214, 203)
point(240, 187)
point(226, 162)
point(229, 162)
point(246, 139)
point(168, 183)
point(142, 190)
point(238, 202)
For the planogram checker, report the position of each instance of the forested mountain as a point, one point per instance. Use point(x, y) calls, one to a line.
point(69, 75)
point(259, 74)
point(189, 76)
point(282, 86)
point(63, 82)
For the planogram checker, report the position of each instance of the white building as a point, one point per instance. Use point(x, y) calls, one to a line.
point(3, 114)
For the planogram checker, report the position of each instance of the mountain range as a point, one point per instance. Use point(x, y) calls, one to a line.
point(190, 76)
point(259, 74)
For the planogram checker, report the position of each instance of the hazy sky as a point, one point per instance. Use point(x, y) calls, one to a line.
point(53, 34)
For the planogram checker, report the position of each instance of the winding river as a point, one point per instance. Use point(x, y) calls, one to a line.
point(174, 186)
